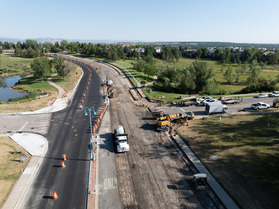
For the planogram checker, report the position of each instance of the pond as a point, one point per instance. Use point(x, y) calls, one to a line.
point(5, 92)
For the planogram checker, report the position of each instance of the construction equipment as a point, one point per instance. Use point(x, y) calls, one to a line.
point(276, 103)
point(157, 114)
point(121, 139)
point(164, 122)
point(111, 92)
point(200, 180)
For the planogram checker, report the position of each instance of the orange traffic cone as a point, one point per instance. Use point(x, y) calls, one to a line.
point(63, 164)
point(84, 95)
point(54, 195)
point(82, 101)
point(64, 157)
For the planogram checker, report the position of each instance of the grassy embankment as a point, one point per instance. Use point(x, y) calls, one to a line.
point(247, 147)
point(10, 166)
point(11, 65)
point(269, 72)
point(35, 85)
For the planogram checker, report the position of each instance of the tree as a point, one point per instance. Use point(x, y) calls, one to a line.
point(230, 75)
point(200, 73)
point(30, 53)
point(18, 51)
point(218, 54)
point(139, 66)
point(150, 70)
point(60, 67)
point(204, 52)
point(199, 53)
point(176, 53)
point(41, 67)
point(64, 45)
point(254, 73)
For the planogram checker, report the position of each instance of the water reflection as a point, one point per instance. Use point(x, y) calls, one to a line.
point(5, 92)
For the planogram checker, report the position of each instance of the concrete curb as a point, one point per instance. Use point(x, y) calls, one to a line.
point(19, 190)
point(216, 187)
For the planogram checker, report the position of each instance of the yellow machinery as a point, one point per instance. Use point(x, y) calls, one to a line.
point(164, 122)
point(276, 103)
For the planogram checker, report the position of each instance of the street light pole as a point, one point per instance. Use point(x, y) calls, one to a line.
point(87, 111)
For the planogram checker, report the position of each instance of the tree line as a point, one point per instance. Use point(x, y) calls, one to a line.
point(31, 49)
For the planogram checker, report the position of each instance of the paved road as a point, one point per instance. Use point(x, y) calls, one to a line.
point(68, 134)
point(199, 110)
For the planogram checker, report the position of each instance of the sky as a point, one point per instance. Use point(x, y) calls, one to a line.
point(241, 21)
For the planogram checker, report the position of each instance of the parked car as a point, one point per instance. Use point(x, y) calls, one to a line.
point(274, 94)
point(260, 106)
point(226, 100)
point(261, 96)
point(200, 100)
point(206, 101)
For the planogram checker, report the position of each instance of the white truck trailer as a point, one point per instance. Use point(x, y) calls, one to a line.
point(215, 107)
point(121, 139)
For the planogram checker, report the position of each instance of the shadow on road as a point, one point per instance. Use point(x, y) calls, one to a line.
point(108, 142)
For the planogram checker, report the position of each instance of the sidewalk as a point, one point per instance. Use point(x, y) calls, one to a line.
point(218, 190)
point(37, 147)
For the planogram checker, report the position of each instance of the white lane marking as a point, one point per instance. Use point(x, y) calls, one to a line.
point(23, 126)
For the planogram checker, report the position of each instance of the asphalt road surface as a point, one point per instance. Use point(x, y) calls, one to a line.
point(154, 174)
point(68, 134)
point(199, 110)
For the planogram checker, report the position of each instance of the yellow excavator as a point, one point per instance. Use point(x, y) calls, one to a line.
point(164, 122)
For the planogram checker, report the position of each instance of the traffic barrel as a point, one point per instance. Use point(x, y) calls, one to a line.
point(54, 195)
point(63, 164)
point(64, 157)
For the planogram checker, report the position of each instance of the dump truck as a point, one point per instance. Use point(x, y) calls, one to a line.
point(164, 122)
point(215, 107)
point(200, 180)
point(121, 139)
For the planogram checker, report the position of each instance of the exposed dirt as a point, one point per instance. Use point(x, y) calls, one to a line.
point(154, 174)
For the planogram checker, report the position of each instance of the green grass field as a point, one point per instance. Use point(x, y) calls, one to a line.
point(270, 73)
point(11, 65)
point(247, 147)
point(34, 84)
